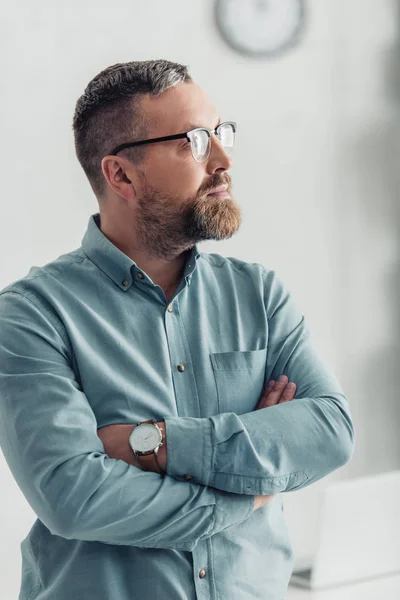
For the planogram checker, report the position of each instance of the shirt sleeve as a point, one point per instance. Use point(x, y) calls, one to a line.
point(282, 447)
point(48, 435)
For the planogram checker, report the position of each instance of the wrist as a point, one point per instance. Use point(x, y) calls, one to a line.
point(162, 451)
point(161, 457)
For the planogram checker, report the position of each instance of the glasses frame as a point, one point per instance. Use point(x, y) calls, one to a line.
point(188, 135)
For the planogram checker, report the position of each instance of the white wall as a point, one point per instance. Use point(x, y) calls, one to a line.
point(315, 170)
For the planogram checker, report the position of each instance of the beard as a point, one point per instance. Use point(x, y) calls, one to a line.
point(167, 226)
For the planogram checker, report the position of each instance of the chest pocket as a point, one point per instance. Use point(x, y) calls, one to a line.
point(239, 378)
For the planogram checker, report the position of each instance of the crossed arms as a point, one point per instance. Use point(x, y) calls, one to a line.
point(48, 434)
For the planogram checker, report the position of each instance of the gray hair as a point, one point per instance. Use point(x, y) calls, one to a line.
point(108, 113)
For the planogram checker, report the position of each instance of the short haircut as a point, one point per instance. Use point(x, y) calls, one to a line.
point(108, 113)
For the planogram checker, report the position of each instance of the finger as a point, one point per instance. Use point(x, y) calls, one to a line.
point(265, 393)
point(275, 394)
point(269, 387)
point(288, 393)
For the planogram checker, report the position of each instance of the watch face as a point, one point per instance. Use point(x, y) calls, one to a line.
point(145, 437)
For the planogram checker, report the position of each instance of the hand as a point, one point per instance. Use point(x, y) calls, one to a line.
point(115, 440)
point(260, 501)
point(276, 392)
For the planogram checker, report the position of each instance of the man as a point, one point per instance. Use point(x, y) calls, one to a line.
point(138, 325)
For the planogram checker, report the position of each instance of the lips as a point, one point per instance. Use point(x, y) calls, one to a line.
point(219, 190)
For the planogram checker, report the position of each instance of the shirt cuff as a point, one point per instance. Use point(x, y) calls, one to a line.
point(231, 509)
point(189, 448)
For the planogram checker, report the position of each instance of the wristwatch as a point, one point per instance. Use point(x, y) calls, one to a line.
point(145, 441)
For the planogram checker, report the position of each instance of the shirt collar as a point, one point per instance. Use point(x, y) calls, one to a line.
point(117, 265)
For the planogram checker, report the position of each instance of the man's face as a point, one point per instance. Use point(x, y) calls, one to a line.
point(171, 205)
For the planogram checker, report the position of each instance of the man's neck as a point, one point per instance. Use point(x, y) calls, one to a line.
point(165, 273)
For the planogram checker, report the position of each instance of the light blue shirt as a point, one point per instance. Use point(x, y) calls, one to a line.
point(89, 340)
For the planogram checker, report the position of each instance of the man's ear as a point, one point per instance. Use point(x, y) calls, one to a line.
point(117, 179)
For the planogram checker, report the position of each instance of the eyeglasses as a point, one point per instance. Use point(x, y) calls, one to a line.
point(199, 138)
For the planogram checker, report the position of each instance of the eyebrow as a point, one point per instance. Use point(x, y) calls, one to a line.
point(189, 126)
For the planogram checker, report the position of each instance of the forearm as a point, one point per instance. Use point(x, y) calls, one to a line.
point(276, 449)
point(230, 452)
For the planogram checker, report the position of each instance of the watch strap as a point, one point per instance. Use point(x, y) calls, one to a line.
point(149, 462)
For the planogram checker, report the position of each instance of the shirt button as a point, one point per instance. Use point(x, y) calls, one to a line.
point(188, 476)
point(125, 282)
point(170, 309)
point(181, 367)
point(202, 573)
point(140, 275)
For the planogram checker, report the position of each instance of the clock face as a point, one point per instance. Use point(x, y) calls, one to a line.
point(260, 27)
point(145, 437)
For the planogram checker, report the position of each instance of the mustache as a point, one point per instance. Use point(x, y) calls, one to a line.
point(216, 183)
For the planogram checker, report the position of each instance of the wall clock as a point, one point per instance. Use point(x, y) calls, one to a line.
point(260, 28)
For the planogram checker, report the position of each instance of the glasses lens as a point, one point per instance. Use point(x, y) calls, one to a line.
point(227, 137)
point(200, 144)
point(201, 141)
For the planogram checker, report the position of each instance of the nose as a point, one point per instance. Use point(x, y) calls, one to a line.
point(219, 159)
